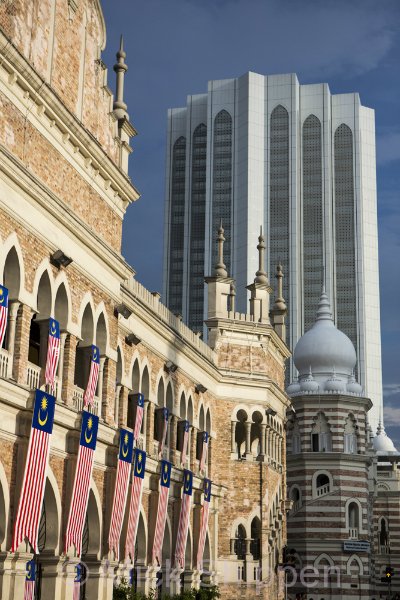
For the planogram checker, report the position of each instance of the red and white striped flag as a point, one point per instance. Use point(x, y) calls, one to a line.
point(53, 352)
point(30, 580)
point(32, 492)
point(83, 474)
point(184, 518)
point(203, 523)
point(136, 499)
point(185, 443)
point(121, 490)
point(165, 482)
point(139, 417)
point(204, 451)
point(93, 377)
point(3, 312)
point(165, 414)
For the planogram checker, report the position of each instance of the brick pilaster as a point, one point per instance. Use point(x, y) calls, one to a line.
point(68, 369)
point(21, 347)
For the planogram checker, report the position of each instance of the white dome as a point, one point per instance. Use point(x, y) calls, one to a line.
point(382, 443)
point(335, 384)
point(293, 387)
point(353, 387)
point(308, 383)
point(324, 349)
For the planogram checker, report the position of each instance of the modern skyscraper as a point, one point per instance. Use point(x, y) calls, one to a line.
point(265, 150)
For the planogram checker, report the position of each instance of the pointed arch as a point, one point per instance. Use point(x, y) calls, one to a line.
point(188, 550)
point(102, 334)
point(95, 522)
point(190, 410)
point(62, 306)
point(160, 391)
point(202, 420)
point(12, 243)
point(324, 558)
point(182, 406)
point(145, 382)
point(167, 541)
point(208, 421)
point(354, 566)
point(169, 398)
point(12, 274)
point(53, 507)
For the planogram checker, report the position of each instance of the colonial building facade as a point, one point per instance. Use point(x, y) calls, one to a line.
point(64, 190)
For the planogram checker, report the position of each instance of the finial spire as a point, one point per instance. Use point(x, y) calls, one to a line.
point(220, 268)
point(261, 275)
point(279, 303)
point(324, 308)
point(120, 108)
point(232, 296)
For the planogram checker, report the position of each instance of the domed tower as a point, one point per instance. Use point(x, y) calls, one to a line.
point(329, 458)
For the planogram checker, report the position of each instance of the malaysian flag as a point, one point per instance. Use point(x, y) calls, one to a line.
point(3, 313)
point(83, 473)
point(30, 580)
point(185, 442)
point(139, 416)
point(204, 451)
point(93, 376)
point(53, 352)
point(165, 482)
point(165, 414)
point(203, 523)
point(121, 489)
point(136, 498)
point(77, 582)
point(184, 518)
point(33, 483)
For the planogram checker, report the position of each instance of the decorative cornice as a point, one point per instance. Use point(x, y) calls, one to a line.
point(47, 102)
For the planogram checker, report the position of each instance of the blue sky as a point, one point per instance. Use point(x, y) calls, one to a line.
point(174, 47)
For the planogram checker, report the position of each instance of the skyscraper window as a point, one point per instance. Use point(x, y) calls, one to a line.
point(312, 218)
point(177, 219)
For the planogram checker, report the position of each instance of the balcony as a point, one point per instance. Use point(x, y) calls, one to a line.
point(33, 376)
point(324, 489)
point(77, 401)
point(140, 442)
point(5, 362)
point(353, 533)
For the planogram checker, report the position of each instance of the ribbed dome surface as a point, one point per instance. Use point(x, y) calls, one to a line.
point(382, 443)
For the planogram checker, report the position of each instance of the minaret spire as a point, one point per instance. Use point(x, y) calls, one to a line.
point(261, 275)
point(120, 108)
point(220, 268)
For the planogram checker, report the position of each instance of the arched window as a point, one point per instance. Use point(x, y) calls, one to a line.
point(255, 544)
point(82, 358)
point(322, 485)
point(296, 438)
point(295, 497)
point(132, 397)
point(350, 436)
point(177, 220)
point(197, 228)
point(279, 203)
point(240, 434)
point(240, 543)
point(222, 184)
point(383, 536)
point(345, 246)
point(312, 218)
point(256, 433)
point(353, 518)
point(321, 439)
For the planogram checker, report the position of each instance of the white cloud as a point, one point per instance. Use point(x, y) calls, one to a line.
point(390, 389)
point(391, 415)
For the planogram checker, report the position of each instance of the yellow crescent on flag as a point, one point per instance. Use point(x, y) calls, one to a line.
point(1, 296)
point(125, 443)
point(53, 328)
point(29, 575)
point(43, 406)
point(88, 439)
point(187, 486)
